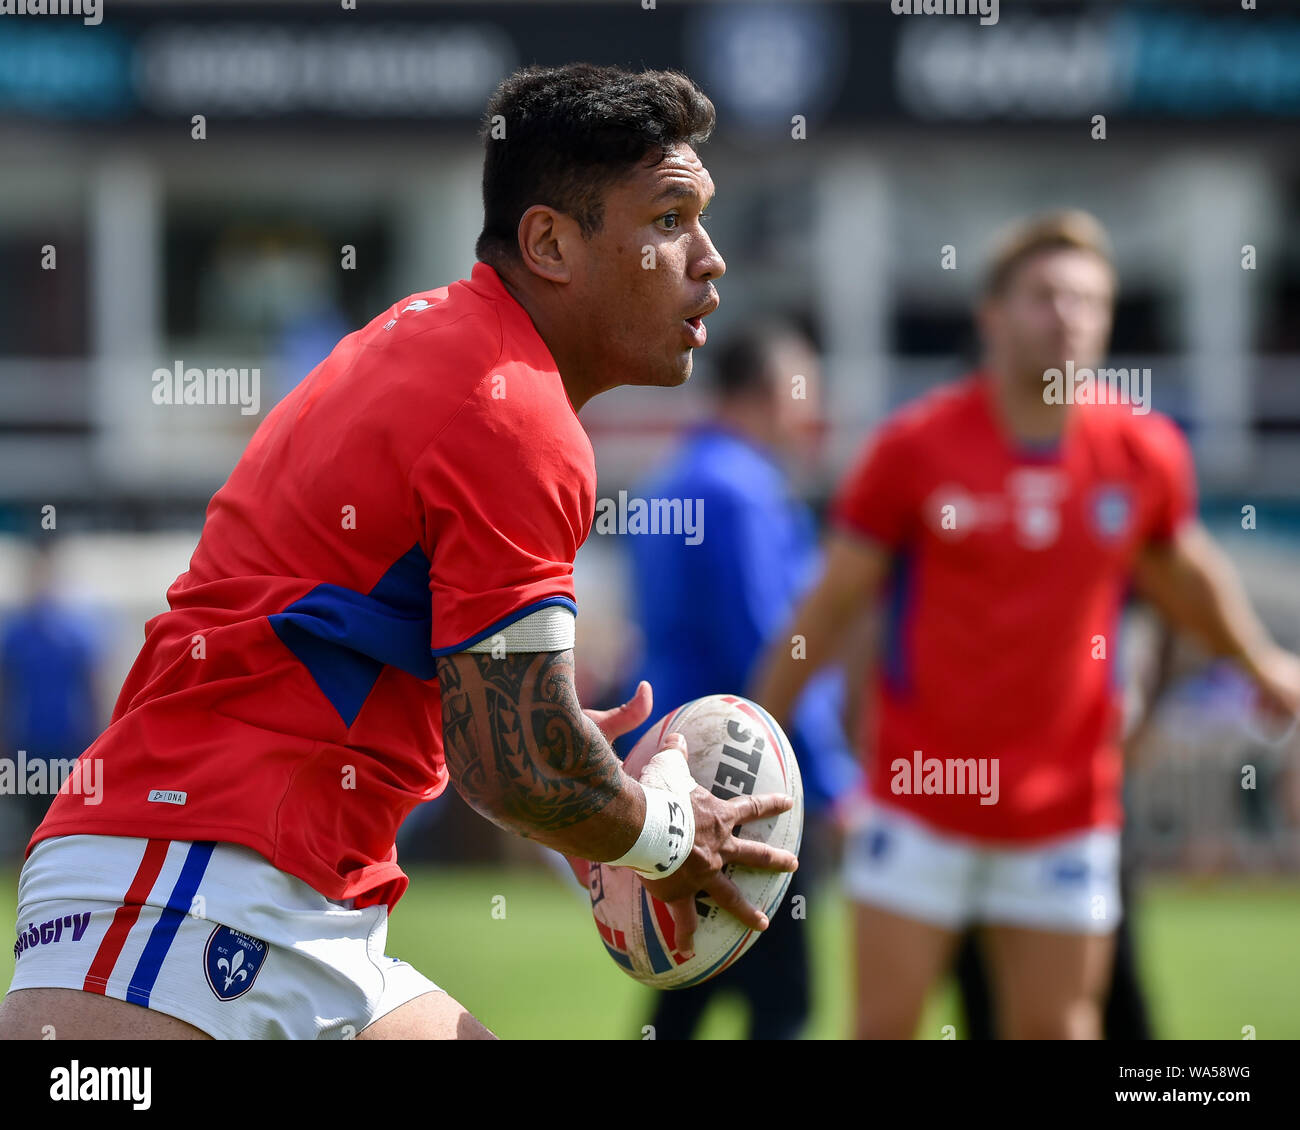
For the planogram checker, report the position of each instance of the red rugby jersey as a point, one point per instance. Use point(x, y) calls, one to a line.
point(992, 625)
point(426, 485)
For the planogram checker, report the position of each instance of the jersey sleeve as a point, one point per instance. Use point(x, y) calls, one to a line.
point(876, 498)
point(1172, 476)
point(502, 527)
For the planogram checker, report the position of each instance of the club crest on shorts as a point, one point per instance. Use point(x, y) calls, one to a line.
point(1069, 871)
point(1112, 510)
point(878, 843)
point(231, 962)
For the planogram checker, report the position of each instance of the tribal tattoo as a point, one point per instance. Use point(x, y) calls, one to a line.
point(518, 746)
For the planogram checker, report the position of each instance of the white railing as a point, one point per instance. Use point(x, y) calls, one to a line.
point(76, 429)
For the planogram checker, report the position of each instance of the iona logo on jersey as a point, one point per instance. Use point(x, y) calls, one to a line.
point(231, 962)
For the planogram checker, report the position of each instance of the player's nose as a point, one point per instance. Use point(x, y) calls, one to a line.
point(710, 264)
point(1069, 309)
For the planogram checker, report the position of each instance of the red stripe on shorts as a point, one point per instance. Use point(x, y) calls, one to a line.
point(125, 917)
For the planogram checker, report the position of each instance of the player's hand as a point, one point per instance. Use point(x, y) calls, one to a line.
point(716, 845)
point(1277, 679)
point(842, 820)
point(614, 724)
point(623, 719)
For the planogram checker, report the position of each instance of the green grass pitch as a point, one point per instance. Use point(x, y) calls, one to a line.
point(518, 949)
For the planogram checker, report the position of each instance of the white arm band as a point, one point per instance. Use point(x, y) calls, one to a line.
point(668, 834)
point(548, 629)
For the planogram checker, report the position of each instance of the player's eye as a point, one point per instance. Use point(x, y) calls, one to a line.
point(676, 218)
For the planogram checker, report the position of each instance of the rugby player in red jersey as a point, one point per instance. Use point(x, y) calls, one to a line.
point(1003, 528)
point(382, 601)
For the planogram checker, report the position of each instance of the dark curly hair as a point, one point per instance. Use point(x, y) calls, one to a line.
point(570, 133)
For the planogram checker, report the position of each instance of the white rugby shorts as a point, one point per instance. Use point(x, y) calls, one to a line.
point(210, 933)
point(1068, 884)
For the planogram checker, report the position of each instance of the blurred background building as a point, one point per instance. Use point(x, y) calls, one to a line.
point(864, 161)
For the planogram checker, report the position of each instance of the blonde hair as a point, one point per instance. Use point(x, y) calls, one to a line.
point(1065, 230)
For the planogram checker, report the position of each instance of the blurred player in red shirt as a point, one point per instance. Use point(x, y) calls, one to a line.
point(381, 603)
point(1001, 524)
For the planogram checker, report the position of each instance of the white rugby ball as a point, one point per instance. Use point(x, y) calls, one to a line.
point(735, 748)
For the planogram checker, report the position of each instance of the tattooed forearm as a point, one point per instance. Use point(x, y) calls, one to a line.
point(522, 753)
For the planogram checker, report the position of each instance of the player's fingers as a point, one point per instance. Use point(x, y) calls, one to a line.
point(727, 895)
point(685, 920)
point(747, 808)
point(581, 869)
point(633, 712)
point(618, 721)
point(641, 702)
point(752, 853)
point(674, 740)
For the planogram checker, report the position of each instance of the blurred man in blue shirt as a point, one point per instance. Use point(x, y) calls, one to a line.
point(48, 706)
point(707, 610)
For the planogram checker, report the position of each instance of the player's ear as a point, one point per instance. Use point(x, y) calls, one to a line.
point(547, 243)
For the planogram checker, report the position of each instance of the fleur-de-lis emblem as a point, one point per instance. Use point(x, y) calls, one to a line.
point(232, 961)
point(232, 969)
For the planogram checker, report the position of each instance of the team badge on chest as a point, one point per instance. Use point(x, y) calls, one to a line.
point(1112, 512)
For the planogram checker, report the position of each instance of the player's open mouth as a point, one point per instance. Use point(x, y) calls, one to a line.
point(695, 328)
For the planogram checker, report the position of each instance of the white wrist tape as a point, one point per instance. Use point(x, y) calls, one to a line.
point(668, 833)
